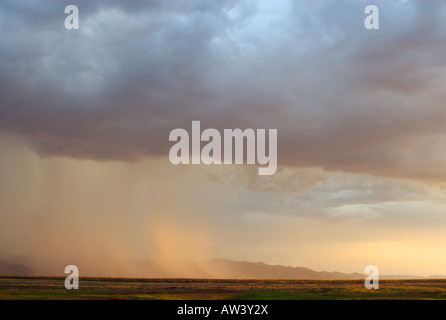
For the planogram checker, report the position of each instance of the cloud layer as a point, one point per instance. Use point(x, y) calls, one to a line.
point(343, 98)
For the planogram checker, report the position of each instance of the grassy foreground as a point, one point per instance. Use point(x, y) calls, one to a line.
point(203, 289)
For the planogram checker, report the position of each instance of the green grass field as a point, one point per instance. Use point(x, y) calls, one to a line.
point(50, 288)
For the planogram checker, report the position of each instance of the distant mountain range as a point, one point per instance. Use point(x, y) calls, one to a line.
point(258, 270)
point(224, 269)
point(12, 269)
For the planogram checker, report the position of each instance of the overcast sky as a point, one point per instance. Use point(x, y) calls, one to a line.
point(85, 117)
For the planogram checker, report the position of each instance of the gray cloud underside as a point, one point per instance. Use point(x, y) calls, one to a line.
point(343, 98)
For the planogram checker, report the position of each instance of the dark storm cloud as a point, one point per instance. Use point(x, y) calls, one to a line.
point(343, 98)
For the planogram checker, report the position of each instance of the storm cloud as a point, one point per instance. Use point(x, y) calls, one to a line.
point(343, 98)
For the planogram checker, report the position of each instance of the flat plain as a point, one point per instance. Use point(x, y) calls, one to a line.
point(53, 288)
